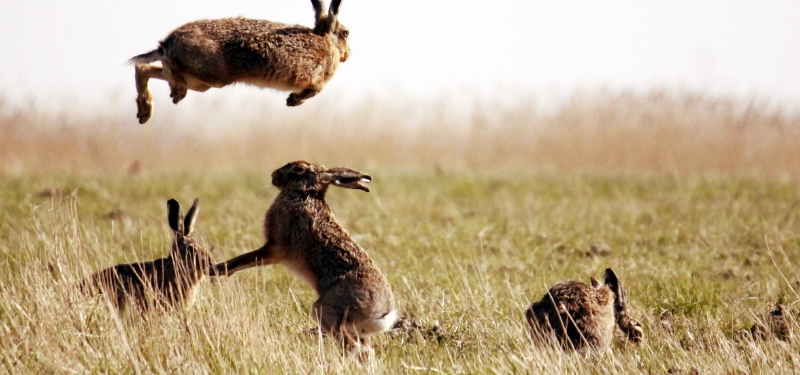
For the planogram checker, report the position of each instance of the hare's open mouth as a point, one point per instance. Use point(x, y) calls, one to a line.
point(353, 182)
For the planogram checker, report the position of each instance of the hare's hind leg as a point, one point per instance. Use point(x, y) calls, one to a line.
point(144, 100)
point(332, 320)
point(297, 98)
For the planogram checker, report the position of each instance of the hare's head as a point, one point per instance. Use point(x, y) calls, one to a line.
point(633, 329)
point(304, 176)
point(185, 250)
point(328, 24)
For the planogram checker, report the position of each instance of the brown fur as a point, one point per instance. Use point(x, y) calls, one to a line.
point(166, 282)
point(355, 299)
point(583, 316)
point(215, 53)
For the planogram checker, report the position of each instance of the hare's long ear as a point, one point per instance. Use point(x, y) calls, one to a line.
point(317, 9)
point(632, 328)
point(191, 217)
point(324, 25)
point(333, 11)
point(175, 216)
point(619, 295)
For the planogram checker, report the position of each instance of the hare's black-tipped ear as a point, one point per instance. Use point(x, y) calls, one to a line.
point(317, 9)
point(334, 9)
point(611, 279)
point(325, 25)
point(175, 216)
point(191, 217)
point(616, 287)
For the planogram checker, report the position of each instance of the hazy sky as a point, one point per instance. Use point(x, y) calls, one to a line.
point(75, 51)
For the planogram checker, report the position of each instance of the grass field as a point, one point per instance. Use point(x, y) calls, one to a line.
point(465, 253)
point(706, 243)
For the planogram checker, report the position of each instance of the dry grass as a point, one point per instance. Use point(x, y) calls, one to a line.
point(464, 253)
point(602, 132)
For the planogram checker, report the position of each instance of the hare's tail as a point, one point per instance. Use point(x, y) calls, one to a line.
point(154, 55)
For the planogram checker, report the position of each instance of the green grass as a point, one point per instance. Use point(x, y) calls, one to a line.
point(703, 259)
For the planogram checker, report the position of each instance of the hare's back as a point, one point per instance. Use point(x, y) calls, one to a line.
point(137, 275)
point(225, 29)
point(229, 39)
point(569, 295)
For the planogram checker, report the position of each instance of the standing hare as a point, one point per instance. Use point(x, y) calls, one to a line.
point(166, 282)
point(583, 316)
point(215, 53)
point(355, 299)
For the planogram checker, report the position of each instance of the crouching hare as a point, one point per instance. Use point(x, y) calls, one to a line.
point(167, 282)
point(355, 299)
point(215, 53)
point(583, 316)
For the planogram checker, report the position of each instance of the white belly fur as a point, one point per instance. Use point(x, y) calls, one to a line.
point(271, 84)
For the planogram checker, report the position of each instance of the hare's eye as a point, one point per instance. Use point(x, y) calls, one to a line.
point(298, 169)
point(345, 33)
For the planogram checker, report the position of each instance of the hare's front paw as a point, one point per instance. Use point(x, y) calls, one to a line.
point(293, 100)
point(177, 94)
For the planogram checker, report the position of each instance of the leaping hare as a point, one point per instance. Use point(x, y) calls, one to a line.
point(583, 316)
point(355, 299)
point(166, 282)
point(215, 53)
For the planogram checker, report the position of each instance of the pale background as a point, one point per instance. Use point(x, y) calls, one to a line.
point(57, 53)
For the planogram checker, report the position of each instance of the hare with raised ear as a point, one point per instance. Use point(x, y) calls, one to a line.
point(167, 282)
point(355, 299)
point(583, 316)
point(215, 53)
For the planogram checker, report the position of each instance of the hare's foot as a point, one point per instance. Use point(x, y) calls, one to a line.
point(293, 101)
point(297, 98)
point(353, 347)
point(363, 353)
point(144, 102)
